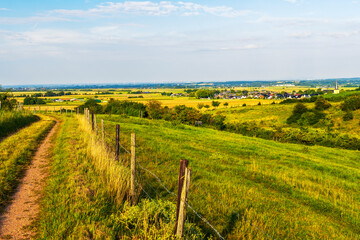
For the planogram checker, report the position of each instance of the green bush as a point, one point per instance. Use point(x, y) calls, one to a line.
point(350, 104)
point(348, 116)
point(321, 104)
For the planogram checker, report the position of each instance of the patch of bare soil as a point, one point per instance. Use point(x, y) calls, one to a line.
point(24, 208)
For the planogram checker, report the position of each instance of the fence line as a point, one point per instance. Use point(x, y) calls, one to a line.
point(113, 139)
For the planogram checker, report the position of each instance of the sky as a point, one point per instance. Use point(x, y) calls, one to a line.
point(94, 41)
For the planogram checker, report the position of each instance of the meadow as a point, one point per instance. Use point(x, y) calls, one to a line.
point(287, 191)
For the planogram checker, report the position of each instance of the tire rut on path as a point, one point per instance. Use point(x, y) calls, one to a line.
point(24, 207)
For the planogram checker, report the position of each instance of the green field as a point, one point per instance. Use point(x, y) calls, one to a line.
point(288, 191)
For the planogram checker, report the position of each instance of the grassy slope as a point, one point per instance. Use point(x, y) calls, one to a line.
point(290, 191)
point(13, 121)
point(15, 153)
point(79, 204)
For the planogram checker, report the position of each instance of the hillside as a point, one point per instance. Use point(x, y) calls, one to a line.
point(286, 191)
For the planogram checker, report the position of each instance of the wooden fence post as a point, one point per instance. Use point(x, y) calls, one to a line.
point(95, 124)
point(183, 203)
point(92, 121)
point(133, 168)
point(88, 116)
point(103, 131)
point(117, 146)
point(183, 165)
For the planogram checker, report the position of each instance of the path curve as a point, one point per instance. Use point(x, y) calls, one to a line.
point(24, 208)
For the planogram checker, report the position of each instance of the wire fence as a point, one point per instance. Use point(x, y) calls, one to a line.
point(109, 139)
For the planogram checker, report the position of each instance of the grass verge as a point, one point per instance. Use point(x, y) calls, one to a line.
point(16, 152)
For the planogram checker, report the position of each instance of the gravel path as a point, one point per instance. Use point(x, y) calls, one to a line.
point(24, 208)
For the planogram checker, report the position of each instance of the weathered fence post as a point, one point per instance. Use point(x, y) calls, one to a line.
point(103, 131)
point(88, 116)
point(117, 147)
point(183, 165)
point(183, 203)
point(95, 124)
point(133, 168)
point(92, 121)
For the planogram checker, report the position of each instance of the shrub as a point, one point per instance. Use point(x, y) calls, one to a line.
point(350, 104)
point(321, 104)
point(299, 109)
point(154, 109)
point(348, 116)
point(215, 103)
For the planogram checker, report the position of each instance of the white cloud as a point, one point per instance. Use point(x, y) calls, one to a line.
point(4, 9)
point(148, 8)
point(343, 34)
point(301, 35)
point(290, 1)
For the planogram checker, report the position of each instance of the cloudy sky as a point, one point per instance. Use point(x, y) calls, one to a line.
point(93, 41)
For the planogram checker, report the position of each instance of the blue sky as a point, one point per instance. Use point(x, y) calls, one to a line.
point(92, 41)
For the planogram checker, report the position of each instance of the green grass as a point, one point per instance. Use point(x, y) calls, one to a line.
point(289, 191)
point(80, 199)
point(13, 121)
point(16, 152)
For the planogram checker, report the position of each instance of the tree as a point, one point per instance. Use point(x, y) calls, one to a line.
point(259, 104)
point(154, 109)
point(6, 102)
point(92, 105)
point(226, 104)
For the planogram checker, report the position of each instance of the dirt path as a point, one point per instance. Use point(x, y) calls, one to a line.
point(18, 216)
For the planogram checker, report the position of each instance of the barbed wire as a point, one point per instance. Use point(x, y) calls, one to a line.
point(172, 193)
point(158, 179)
point(114, 144)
